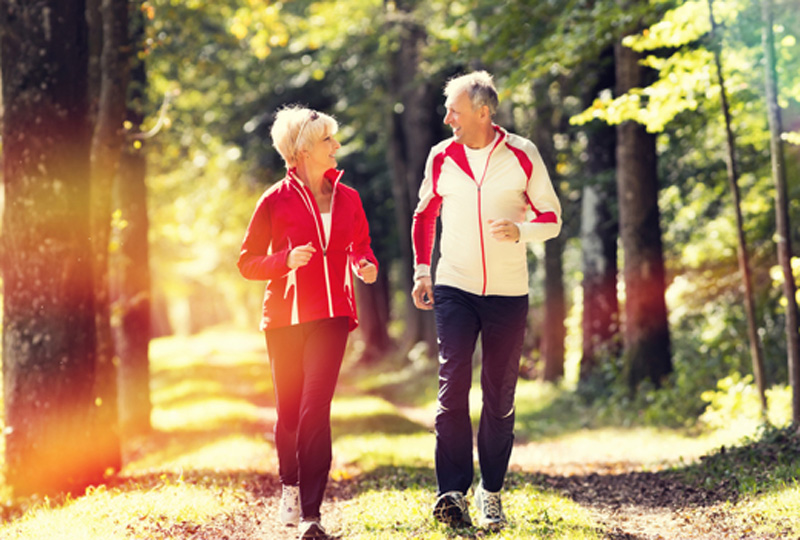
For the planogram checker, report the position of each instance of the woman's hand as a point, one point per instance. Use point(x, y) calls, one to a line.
point(300, 256)
point(367, 271)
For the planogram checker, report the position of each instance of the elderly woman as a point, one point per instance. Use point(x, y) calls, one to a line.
point(307, 235)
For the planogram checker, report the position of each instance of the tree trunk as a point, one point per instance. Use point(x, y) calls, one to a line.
point(413, 129)
point(547, 121)
point(756, 356)
point(106, 144)
point(373, 316)
point(784, 231)
point(130, 275)
point(49, 340)
point(555, 311)
point(600, 322)
point(646, 329)
point(599, 234)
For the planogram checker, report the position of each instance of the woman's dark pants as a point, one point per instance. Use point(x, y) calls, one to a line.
point(306, 359)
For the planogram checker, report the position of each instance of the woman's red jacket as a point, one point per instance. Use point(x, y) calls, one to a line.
point(287, 216)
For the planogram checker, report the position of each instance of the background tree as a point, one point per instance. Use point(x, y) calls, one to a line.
point(106, 144)
point(680, 105)
point(49, 334)
point(413, 130)
point(784, 233)
point(646, 329)
point(599, 233)
point(129, 257)
point(547, 122)
point(733, 179)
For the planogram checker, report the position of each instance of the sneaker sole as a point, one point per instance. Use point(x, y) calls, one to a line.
point(449, 513)
point(315, 534)
point(493, 526)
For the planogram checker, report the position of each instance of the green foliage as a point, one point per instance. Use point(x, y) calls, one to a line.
point(235, 62)
point(736, 400)
point(687, 74)
point(760, 464)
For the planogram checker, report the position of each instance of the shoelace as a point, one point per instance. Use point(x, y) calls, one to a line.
point(491, 505)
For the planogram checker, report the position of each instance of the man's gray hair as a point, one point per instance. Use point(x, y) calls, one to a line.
point(478, 85)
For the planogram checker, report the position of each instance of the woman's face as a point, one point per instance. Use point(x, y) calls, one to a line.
point(322, 152)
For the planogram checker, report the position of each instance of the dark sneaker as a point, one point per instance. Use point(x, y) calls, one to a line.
point(490, 509)
point(451, 509)
point(312, 528)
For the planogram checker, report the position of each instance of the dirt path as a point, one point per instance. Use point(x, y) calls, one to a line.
point(628, 500)
point(625, 502)
point(626, 505)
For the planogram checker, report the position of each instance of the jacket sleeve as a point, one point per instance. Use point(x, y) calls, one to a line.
point(423, 227)
point(362, 244)
point(256, 262)
point(543, 201)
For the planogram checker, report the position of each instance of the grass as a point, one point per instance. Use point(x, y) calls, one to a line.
point(395, 504)
point(760, 475)
point(210, 461)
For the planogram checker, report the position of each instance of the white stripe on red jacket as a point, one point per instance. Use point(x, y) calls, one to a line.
point(287, 216)
point(515, 185)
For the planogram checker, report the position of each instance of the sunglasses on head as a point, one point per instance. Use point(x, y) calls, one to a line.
point(311, 117)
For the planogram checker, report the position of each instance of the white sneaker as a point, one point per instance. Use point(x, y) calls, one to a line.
point(451, 509)
point(312, 528)
point(290, 505)
point(490, 509)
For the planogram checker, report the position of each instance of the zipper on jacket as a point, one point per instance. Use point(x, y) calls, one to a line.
point(325, 252)
point(480, 217)
point(483, 244)
point(311, 205)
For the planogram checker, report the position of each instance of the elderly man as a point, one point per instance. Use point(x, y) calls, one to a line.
point(494, 194)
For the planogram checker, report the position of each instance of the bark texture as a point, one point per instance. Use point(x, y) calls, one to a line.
point(646, 329)
point(48, 301)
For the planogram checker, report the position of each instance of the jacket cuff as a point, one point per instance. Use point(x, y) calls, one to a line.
point(422, 270)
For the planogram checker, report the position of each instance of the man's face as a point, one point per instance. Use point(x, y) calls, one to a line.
point(467, 123)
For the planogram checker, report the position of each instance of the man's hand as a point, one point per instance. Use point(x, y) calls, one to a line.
point(367, 271)
point(300, 256)
point(503, 230)
point(423, 293)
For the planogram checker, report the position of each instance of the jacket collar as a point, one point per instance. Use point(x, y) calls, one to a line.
point(455, 150)
point(334, 175)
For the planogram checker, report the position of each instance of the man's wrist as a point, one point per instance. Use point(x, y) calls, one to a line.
point(422, 271)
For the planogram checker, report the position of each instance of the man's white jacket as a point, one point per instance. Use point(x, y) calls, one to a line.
point(515, 185)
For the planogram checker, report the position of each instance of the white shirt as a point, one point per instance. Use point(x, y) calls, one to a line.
point(478, 157)
point(326, 224)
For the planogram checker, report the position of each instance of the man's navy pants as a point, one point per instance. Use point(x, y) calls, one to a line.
point(501, 321)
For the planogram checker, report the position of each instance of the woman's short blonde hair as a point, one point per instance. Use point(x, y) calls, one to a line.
point(297, 128)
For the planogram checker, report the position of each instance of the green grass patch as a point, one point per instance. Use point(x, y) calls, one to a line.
point(759, 465)
point(396, 503)
point(130, 512)
point(773, 512)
